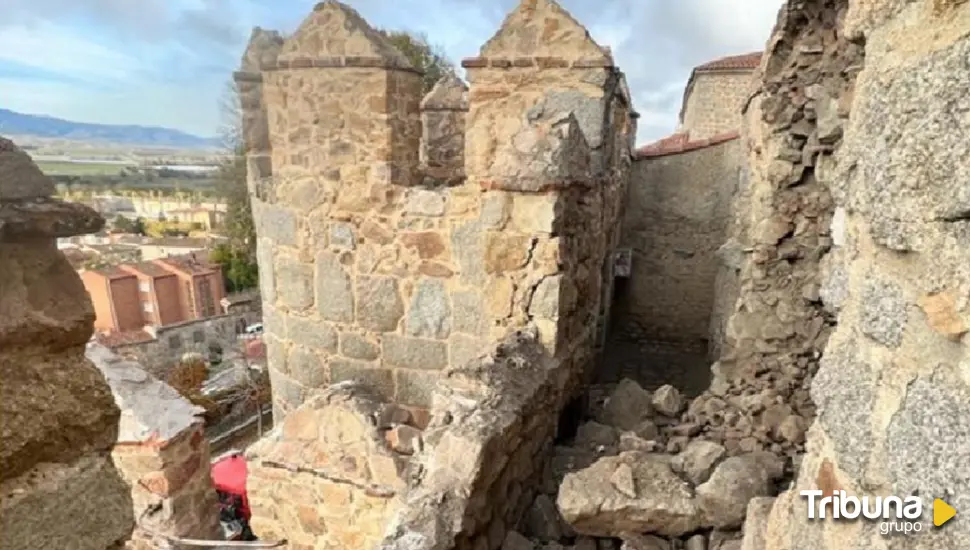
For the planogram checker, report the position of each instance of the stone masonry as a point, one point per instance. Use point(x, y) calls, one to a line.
point(776, 332)
point(388, 253)
point(400, 252)
point(161, 453)
point(59, 486)
point(892, 390)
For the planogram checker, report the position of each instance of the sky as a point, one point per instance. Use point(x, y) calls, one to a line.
point(169, 62)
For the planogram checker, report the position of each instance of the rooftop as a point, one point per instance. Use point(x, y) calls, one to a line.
point(148, 269)
point(172, 242)
point(732, 63)
point(681, 143)
point(112, 272)
point(195, 264)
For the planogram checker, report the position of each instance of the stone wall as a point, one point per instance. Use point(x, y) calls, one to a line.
point(677, 216)
point(777, 328)
point(381, 259)
point(892, 388)
point(59, 486)
point(329, 476)
point(714, 101)
point(486, 449)
point(161, 453)
point(160, 354)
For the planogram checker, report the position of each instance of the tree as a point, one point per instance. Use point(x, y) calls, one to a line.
point(127, 225)
point(239, 271)
point(428, 58)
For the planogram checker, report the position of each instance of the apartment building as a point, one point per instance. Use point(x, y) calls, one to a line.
point(154, 293)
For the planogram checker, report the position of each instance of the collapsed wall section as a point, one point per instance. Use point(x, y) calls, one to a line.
point(58, 421)
point(892, 389)
point(759, 398)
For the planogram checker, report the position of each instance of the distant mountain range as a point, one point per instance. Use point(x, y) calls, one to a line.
point(14, 123)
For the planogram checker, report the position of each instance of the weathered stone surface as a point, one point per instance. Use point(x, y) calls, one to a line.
point(43, 300)
point(421, 202)
point(884, 312)
point(349, 35)
point(379, 304)
point(275, 223)
point(468, 313)
point(756, 523)
point(358, 346)
point(349, 471)
point(542, 520)
point(89, 489)
point(415, 387)
point(376, 379)
point(45, 218)
point(845, 392)
point(20, 178)
point(627, 406)
point(697, 461)
point(663, 503)
point(414, 353)
point(545, 299)
point(56, 407)
point(262, 49)
point(150, 409)
point(723, 499)
point(429, 314)
point(313, 333)
point(668, 401)
point(295, 280)
point(334, 297)
point(342, 236)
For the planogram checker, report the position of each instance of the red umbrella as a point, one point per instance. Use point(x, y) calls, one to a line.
point(229, 476)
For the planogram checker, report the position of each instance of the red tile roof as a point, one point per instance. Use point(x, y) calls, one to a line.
point(195, 263)
point(732, 63)
point(112, 273)
point(681, 143)
point(148, 269)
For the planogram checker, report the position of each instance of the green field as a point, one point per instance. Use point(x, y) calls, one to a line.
point(66, 168)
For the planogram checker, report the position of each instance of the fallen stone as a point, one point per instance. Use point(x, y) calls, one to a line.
point(585, 543)
point(516, 541)
point(644, 542)
point(647, 430)
point(792, 430)
point(756, 523)
point(595, 436)
point(630, 442)
point(668, 401)
point(627, 406)
point(723, 499)
point(664, 504)
point(698, 460)
point(543, 521)
point(697, 542)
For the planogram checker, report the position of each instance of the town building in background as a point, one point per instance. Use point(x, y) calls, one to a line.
point(129, 297)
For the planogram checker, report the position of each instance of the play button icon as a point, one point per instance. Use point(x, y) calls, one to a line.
point(942, 512)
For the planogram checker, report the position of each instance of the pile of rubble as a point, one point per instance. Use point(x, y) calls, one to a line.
point(636, 477)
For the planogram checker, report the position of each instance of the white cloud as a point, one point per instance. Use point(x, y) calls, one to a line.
point(174, 56)
point(54, 48)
